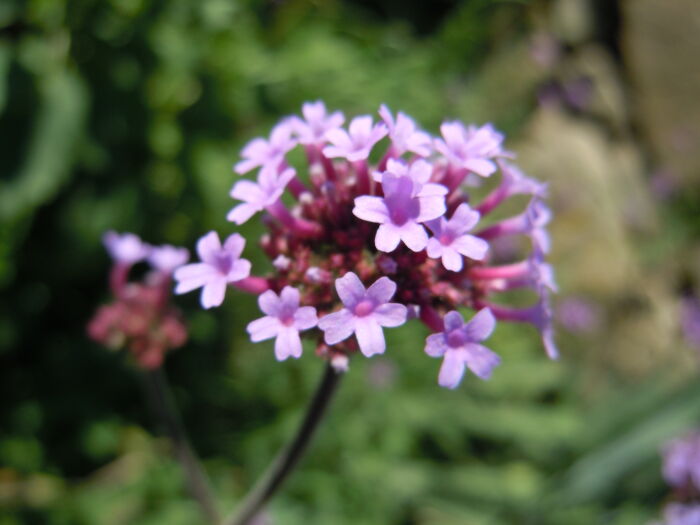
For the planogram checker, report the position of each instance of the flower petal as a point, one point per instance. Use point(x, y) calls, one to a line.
point(234, 244)
point(240, 269)
point(370, 336)
point(350, 289)
point(481, 325)
point(371, 209)
point(451, 259)
point(288, 344)
point(193, 276)
point(481, 360)
point(414, 236)
point(390, 314)
point(241, 213)
point(269, 303)
point(471, 246)
point(381, 290)
point(213, 292)
point(305, 318)
point(451, 370)
point(387, 238)
point(208, 246)
point(435, 345)
point(453, 321)
point(264, 328)
point(337, 326)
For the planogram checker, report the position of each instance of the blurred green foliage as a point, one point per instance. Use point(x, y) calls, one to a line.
point(128, 114)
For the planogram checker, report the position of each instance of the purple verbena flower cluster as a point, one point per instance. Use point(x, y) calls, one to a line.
point(141, 318)
point(360, 245)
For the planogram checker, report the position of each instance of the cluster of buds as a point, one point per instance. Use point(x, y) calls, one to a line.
point(141, 318)
point(377, 229)
point(681, 470)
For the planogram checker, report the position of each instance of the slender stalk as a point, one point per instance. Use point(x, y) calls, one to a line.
point(288, 458)
point(196, 479)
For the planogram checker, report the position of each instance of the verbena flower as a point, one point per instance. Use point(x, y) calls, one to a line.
point(141, 318)
point(220, 266)
point(351, 235)
point(125, 248)
point(459, 347)
point(365, 312)
point(284, 320)
point(681, 461)
point(451, 241)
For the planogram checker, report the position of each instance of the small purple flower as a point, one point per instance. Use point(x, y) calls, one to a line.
point(259, 196)
point(532, 222)
point(365, 313)
point(419, 172)
point(690, 320)
point(316, 123)
point(452, 241)
point(459, 348)
point(681, 461)
point(356, 144)
point(284, 320)
point(681, 514)
point(400, 212)
point(219, 266)
point(167, 258)
point(471, 148)
point(126, 248)
point(404, 134)
point(261, 152)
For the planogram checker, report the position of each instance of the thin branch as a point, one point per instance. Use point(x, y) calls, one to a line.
point(287, 459)
point(195, 477)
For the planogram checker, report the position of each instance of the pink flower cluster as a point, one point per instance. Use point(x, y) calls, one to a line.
point(379, 228)
point(141, 318)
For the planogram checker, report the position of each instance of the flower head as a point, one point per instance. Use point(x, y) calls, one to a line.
point(459, 347)
point(351, 221)
point(365, 312)
point(125, 248)
point(284, 320)
point(220, 265)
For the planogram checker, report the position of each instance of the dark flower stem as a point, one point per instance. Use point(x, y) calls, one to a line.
point(196, 479)
point(287, 459)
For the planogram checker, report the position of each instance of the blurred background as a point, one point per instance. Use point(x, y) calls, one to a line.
point(128, 115)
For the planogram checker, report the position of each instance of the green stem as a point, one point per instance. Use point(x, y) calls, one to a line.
point(195, 477)
point(288, 458)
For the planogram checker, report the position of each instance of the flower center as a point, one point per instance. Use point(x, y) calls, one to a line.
point(223, 262)
point(399, 215)
point(445, 239)
point(456, 338)
point(364, 308)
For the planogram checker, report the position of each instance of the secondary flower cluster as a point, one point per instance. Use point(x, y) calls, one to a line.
point(141, 317)
point(681, 470)
point(379, 228)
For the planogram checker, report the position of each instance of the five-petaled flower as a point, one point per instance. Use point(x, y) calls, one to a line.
point(220, 266)
point(284, 320)
point(459, 347)
point(365, 312)
point(452, 241)
point(400, 212)
point(356, 143)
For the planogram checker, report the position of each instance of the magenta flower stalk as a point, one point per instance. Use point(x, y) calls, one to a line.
point(368, 246)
